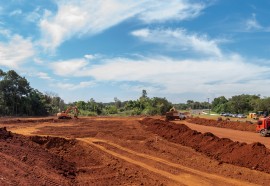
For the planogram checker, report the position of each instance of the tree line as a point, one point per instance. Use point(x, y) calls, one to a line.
point(238, 104)
point(142, 106)
point(18, 98)
point(241, 104)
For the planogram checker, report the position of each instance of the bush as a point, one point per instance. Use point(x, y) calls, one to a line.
point(111, 109)
point(150, 111)
point(87, 113)
point(135, 112)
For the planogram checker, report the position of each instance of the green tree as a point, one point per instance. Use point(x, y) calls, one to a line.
point(18, 98)
point(81, 105)
point(117, 103)
point(36, 105)
point(262, 104)
point(93, 106)
point(242, 103)
point(144, 94)
point(218, 104)
point(111, 109)
point(13, 88)
point(190, 104)
point(162, 105)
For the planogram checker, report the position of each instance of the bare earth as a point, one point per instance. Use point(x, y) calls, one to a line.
point(235, 135)
point(128, 151)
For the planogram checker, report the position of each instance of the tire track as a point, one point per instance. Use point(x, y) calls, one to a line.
point(193, 177)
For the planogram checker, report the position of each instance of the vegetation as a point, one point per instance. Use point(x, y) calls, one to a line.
point(18, 98)
point(142, 106)
point(192, 105)
point(239, 104)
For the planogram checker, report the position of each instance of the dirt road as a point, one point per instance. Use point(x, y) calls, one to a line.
point(235, 135)
point(122, 151)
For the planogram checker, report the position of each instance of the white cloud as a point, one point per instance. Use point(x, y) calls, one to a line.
point(88, 17)
point(142, 33)
point(83, 17)
point(160, 11)
point(16, 51)
point(71, 86)
point(5, 32)
point(15, 12)
point(91, 56)
point(180, 76)
point(69, 67)
point(180, 39)
point(221, 76)
point(34, 15)
point(43, 75)
point(38, 61)
point(253, 24)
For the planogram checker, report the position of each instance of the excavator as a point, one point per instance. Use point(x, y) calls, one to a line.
point(66, 115)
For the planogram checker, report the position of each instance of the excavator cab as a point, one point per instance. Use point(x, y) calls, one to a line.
point(263, 126)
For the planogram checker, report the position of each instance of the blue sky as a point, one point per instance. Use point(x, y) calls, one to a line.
point(101, 49)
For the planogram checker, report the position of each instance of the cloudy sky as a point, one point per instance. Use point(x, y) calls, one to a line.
point(101, 49)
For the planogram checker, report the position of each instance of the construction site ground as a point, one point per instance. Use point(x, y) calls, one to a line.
point(131, 151)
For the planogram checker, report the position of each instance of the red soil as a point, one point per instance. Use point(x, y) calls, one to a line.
point(26, 163)
point(253, 156)
point(124, 151)
point(236, 125)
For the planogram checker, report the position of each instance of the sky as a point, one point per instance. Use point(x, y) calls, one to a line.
point(102, 49)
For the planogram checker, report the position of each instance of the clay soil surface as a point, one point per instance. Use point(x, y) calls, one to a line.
point(127, 151)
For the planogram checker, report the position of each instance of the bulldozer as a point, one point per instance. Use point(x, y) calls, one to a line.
point(173, 114)
point(66, 115)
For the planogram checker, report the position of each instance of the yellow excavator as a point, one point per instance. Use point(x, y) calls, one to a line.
point(66, 115)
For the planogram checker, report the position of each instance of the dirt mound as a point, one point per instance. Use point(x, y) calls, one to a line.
point(52, 142)
point(253, 156)
point(22, 158)
point(236, 125)
point(4, 134)
point(19, 121)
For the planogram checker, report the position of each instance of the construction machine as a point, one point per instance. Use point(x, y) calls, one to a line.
point(174, 114)
point(257, 115)
point(252, 115)
point(263, 126)
point(66, 115)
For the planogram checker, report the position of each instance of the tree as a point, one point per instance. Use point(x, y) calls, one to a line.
point(13, 88)
point(190, 103)
point(144, 94)
point(93, 106)
point(242, 103)
point(111, 109)
point(117, 103)
point(36, 106)
point(18, 98)
point(218, 104)
point(262, 104)
point(162, 104)
point(81, 105)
